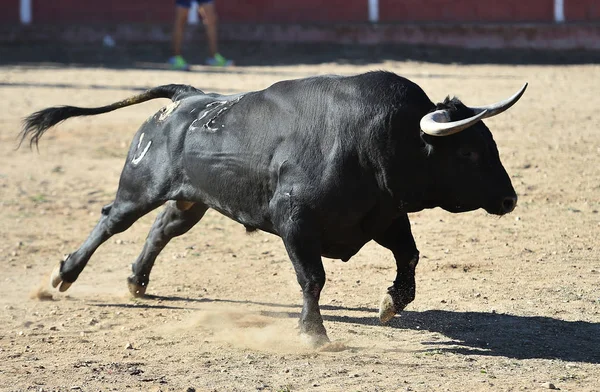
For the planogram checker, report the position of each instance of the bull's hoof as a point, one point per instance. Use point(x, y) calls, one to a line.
point(387, 309)
point(57, 281)
point(137, 290)
point(313, 340)
point(55, 278)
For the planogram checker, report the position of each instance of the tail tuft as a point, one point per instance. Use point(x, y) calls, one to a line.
point(36, 124)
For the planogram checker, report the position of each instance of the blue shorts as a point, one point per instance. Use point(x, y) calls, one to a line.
point(188, 3)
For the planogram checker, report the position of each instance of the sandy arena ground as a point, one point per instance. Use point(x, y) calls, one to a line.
point(503, 304)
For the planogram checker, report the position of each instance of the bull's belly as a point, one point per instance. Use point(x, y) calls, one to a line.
point(342, 241)
point(340, 251)
point(238, 203)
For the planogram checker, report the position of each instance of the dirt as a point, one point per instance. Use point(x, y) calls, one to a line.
point(503, 304)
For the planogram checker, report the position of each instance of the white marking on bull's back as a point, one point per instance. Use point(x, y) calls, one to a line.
point(167, 110)
point(137, 160)
point(196, 123)
point(216, 103)
point(202, 116)
point(215, 110)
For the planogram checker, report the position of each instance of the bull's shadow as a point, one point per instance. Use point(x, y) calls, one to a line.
point(504, 335)
point(519, 337)
point(470, 333)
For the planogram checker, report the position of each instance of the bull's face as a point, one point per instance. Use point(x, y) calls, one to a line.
point(468, 173)
point(465, 165)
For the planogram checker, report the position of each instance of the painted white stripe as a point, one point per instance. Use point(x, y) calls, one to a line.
point(25, 11)
point(137, 160)
point(373, 11)
point(193, 14)
point(140, 142)
point(559, 11)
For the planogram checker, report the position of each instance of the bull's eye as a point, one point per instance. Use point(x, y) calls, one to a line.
point(471, 155)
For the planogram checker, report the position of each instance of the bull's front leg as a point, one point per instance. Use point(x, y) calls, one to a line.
point(310, 273)
point(399, 239)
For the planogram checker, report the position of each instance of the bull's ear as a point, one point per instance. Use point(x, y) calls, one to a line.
point(428, 148)
point(428, 143)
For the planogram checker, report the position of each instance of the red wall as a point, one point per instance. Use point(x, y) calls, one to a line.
point(582, 10)
point(467, 10)
point(102, 11)
point(303, 11)
point(282, 11)
point(9, 11)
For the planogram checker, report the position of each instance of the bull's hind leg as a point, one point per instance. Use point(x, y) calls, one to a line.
point(176, 219)
point(116, 218)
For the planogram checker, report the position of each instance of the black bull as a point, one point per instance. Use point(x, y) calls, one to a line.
point(326, 163)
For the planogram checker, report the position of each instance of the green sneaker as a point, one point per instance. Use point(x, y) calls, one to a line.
point(219, 61)
point(179, 63)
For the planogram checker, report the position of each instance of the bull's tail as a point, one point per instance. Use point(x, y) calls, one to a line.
point(36, 124)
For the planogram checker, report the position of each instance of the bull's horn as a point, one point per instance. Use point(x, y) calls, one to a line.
point(501, 106)
point(438, 123)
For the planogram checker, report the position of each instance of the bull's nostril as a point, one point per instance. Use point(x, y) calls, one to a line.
point(509, 204)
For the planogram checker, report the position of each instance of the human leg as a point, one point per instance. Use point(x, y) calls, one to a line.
point(208, 12)
point(182, 9)
point(210, 20)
